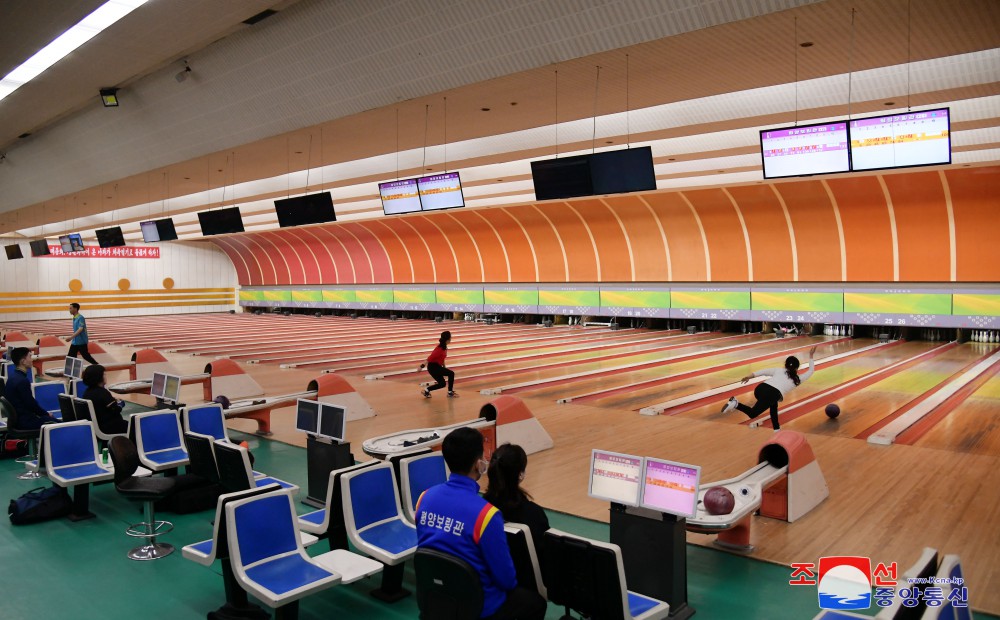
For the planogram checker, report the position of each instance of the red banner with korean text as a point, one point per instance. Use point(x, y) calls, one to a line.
point(93, 251)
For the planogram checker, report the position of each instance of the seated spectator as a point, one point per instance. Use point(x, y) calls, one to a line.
point(30, 415)
point(107, 409)
point(506, 473)
point(454, 519)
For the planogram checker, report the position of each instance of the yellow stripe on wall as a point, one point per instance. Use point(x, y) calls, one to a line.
point(101, 306)
point(118, 293)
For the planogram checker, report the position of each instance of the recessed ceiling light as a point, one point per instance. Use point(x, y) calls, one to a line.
point(499, 180)
point(24, 135)
point(513, 103)
point(429, 169)
point(219, 170)
point(609, 142)
point(298, 152)
point(721, 171)
point(187, 178)
point(485, 109)
point(806, 44)
point(671, 159)
point(890, 103)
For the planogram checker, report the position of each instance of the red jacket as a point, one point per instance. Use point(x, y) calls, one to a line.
point(438, 355)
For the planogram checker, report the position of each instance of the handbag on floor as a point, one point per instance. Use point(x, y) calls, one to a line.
point(41, 504)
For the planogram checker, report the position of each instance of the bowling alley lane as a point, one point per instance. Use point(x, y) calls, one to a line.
point(584, 348)
point(761, 344)
point(639, 398)
point(822, 379)
point(868, 406)
point(974, 425)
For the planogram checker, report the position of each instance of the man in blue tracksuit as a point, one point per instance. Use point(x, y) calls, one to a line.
point(454, 519)
point(79, 339)
point(30, 415)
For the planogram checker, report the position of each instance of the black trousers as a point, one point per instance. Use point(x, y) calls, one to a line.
point(439, 373)
point(82, 350)
point(767, 398)
point(521, 604)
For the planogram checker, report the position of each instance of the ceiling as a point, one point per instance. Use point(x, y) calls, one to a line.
point(698, 95)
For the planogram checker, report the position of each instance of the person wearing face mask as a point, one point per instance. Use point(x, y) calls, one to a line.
point(454, 519)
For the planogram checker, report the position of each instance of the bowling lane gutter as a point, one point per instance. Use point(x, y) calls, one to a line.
point(527, 385)
point(923, 426)
point(942, 385)
point(691, 373)
point(700, 399)
point(800, 408)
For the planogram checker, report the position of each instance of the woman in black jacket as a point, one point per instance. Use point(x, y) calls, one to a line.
point(107, 410)
point(506, 472)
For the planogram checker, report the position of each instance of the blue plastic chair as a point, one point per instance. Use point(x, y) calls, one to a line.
point(47, 396)
point(417, 474)
point(267, 556)
point(329, 520)
point(376, 526)
point(205, 419)
point(71, 461)
point(158, 439)
point(235, 473)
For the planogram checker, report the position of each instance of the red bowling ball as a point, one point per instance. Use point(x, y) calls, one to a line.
point(719, 501)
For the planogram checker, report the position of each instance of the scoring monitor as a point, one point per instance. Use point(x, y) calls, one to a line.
point(670, 487)
point(307, 416)
point(615, 477)
point(805, 150)
point(901, 140)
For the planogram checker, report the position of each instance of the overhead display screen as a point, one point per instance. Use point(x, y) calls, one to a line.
point(399, 196)
point(440, 191)
point(805, 150)
point(901, 140)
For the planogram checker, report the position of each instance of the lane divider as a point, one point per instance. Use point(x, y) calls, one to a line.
point(797, 408)
point(689, 373)
point(517, 387)
point(699, 399)
point(885, 432)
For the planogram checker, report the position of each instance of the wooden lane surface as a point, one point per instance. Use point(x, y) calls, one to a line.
point(401, 368)
point(638, 398)
point(493, 376)
point(511, 370)
point(886, 502)
point(866, 407)
point(823, 379)
point(764, 345)
point(973, 426)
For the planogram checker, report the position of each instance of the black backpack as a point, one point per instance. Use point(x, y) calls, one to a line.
point(40, 504)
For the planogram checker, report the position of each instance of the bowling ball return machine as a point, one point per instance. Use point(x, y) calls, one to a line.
point(785, 484)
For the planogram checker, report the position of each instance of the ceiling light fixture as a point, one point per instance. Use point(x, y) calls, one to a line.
point(806, 44)
point(89, 27)
point(109, 97)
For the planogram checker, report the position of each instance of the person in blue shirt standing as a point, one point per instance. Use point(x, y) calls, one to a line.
point(30, 415)
point(79, 341)
point(454, 519)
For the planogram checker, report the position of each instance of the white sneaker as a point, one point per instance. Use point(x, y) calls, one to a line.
point(730, 404)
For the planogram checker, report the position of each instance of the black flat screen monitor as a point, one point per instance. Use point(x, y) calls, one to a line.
point(305, 210)
point(221, 221)
point(158, 230)
point(64, 243)
point(39, 247)
point(564, 177)
point(901, 140)
point(399, 196)
point(307, 416)
point(627, 170)
point(13, 251)
point(805, 150)
point(110, 237)
point(76, 242)
point(73, 367)
point(332, 422)
point(440, 191)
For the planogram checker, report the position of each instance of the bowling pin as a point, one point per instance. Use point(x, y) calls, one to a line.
point(993, 336)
